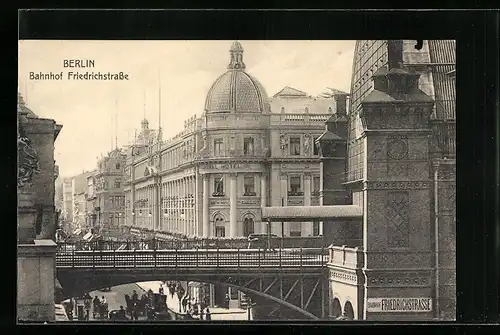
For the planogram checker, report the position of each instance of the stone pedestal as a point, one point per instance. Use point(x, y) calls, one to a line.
point(36, 281)
point(26, 216)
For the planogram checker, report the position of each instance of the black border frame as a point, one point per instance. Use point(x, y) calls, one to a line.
point(477, 36)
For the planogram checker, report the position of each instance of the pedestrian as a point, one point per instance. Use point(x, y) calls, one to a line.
point(135, 296)
point(134, 311)
point(87, 301)
point(96, 303)
point(227, 301)
point(189, 304)
point(201, 312)
point(208, 316)
point(69, 309)
point(160, 290)
point(184, 303)
point(171, 289)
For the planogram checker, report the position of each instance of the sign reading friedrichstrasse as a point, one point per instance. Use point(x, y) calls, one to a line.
point(398, 305)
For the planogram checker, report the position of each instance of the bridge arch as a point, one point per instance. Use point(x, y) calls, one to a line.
point(77, 284)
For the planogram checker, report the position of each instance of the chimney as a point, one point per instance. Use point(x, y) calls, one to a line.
point(399, 79)
point(341, 104)
point(395, 54)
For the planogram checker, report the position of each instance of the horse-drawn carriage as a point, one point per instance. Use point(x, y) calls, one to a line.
point(138, 306)
point(157, 310)
point(100, 310)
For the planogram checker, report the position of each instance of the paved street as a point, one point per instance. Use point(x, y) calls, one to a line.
point(217, 312)
point(115, 298)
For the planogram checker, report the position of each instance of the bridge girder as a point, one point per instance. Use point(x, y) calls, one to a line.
point(303, 292)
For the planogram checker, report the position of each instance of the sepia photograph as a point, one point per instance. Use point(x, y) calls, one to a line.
point(247, 180)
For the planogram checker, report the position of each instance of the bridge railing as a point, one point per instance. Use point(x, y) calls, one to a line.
point(195, 258)
point(150, 244)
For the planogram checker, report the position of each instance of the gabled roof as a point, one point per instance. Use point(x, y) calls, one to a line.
point(329, 136)
point(334, 91)
point(288, 91)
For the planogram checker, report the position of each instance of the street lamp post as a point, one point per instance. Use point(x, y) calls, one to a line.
point(249, 308)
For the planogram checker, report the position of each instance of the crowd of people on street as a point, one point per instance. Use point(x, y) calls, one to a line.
point(98, 306)
point(187, 304)
point(136, 306)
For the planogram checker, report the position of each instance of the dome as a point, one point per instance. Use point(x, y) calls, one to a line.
point(236, 90)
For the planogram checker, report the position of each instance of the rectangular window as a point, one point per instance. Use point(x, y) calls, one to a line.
point(295, 146)
point(117, 166)
point(218, 147)
point(117, 184)
point(316, 186)
point(111, 219)
point(218, 185)
point(315, 147)
point(295, 229)
point(249, 184)
point(248, 146)
point(315, 228)
point(295, 186)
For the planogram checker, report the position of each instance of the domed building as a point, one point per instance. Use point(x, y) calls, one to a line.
point(236, 91)
point(241, 154)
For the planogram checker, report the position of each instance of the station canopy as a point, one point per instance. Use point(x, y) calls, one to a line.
point(311, 213)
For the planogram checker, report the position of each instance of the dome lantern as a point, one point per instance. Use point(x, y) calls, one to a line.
point(236, 53)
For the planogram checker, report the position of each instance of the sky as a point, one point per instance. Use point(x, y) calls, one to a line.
point(90, 111)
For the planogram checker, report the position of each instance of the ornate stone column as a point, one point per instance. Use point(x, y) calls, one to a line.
point(284, 197)
point(263, 199)
point(233, 206)
point(307, 226)
point(206, 218)
point(170, 194)
point(186, 206)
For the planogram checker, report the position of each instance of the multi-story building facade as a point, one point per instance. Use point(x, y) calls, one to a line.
point(91, 197)
point(244, 152)
point(109, 193)
point(67, 209)
point(79, 193)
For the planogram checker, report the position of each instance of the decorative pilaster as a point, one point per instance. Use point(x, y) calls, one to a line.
point(263, 199)
point(284, 199)
point(206, 218)
point(307, 226)
point(233, 206)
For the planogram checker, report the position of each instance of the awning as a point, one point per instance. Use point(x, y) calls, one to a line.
point(87, 236)
point(311, 213)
